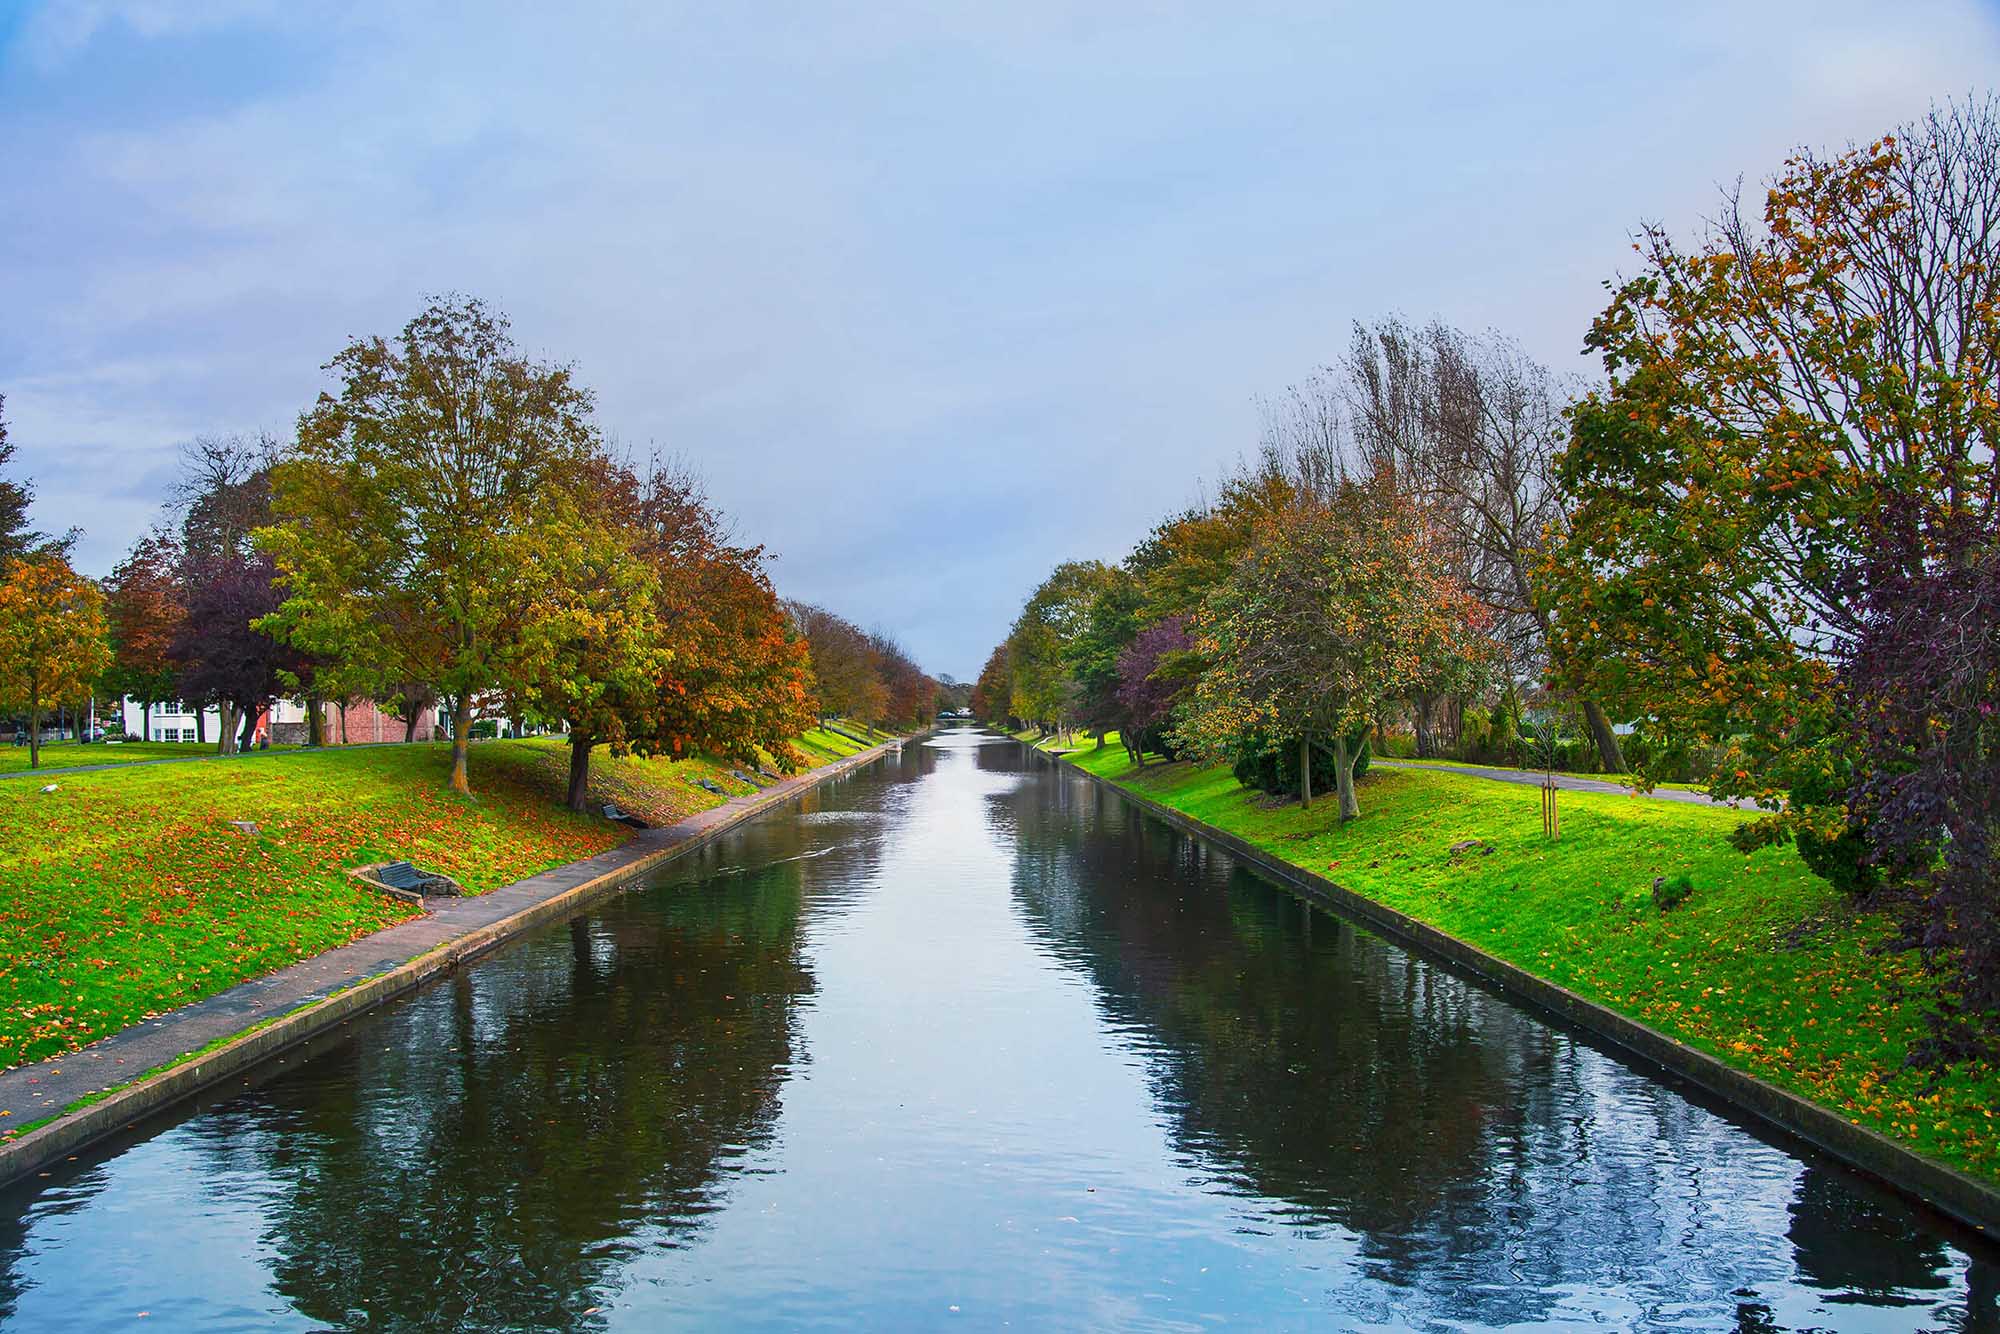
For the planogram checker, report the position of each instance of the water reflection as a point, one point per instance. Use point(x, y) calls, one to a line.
point(963, 1039)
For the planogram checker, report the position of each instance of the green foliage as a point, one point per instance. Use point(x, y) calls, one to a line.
point(431, 521)
point(1670, 891)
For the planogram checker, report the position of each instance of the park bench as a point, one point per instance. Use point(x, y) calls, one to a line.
point(403, 880)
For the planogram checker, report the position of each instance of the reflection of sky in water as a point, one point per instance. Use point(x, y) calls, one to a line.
point(965, 1034)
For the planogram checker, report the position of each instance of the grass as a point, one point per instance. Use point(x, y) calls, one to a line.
point(1765, 966)
point(64, 754)
point(125, 893)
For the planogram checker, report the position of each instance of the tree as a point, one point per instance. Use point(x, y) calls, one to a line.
point(1109, 628)
point(845, 678)
point(910, 695)
point(1155, 672)
point(52, 638)
point(430, 515)
point(223, 495)
point(1055, 618)
point(993, 692)
point(1775, 391)
point(1471, 426)
point(1923, 737)
point(223, 656)
point(143, 609)
point(1340, 606)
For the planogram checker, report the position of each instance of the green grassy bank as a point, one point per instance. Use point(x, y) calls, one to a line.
point(125, 892)
point(1764, 966)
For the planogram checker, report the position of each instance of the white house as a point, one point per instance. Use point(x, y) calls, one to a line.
point(172, 721)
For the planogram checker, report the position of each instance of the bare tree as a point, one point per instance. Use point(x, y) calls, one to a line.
point(1471, 426)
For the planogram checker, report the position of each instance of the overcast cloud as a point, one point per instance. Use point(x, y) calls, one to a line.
point(934, 299)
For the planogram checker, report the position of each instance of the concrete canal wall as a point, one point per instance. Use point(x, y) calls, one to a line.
point(1963, 1198)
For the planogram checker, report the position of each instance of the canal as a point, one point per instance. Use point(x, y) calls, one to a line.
point(962, 1039)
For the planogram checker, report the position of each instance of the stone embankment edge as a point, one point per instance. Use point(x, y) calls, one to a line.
point(1958, 1196)
point(123, 1107)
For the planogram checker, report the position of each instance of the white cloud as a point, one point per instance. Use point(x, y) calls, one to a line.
point(872, 271)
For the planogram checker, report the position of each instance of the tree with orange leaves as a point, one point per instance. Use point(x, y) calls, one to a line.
point(52, 638)
point(1775, 390)
point(1342, 604)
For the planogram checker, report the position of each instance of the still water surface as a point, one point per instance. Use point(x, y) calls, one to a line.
point(960, 1040)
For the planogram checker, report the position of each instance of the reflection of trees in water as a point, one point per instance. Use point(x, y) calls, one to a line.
point(1485, 1164)
point(488, 1155)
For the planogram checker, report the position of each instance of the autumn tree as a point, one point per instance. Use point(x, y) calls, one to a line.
point(993, 692)
point(224, 657)
point(1155, 672)
point(52, 637)
point(222, 496)
point(1774, 389)
point(429, 515)
point(845, 678)
point(143, 607)
point(909, 693)
point(1338, 607)
point(1923, 731)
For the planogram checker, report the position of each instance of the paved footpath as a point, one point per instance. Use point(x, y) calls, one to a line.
point(1567, 782)
point(31, 1092)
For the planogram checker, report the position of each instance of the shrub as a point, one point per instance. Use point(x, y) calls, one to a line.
point(1273, 767)
point(1670, 891)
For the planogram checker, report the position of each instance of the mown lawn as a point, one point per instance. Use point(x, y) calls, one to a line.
point(62, 754)
point(125, 893)
point(1765, 966)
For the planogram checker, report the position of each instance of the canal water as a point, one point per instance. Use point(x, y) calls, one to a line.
point(963, 1040)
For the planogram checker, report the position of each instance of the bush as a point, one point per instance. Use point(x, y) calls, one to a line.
point(1273, 767)
point(484, 730)
point(1670, 891)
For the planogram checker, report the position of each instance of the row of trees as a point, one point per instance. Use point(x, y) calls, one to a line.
point(449, 527)
point(1769, 537)
point(865, 675)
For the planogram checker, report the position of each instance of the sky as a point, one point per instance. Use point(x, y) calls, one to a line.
point(934, 296)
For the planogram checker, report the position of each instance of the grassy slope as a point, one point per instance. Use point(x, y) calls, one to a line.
point(1765, 966)
point(124, 893)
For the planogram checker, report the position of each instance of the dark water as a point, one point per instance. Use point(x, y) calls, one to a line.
point(963, 1042)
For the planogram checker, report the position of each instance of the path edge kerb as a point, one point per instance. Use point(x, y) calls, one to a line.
point(122, 1108)
point(1963, 1198)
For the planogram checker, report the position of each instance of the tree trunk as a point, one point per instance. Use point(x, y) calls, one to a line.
point(34, 722)
point(200, 724)
point(1343, 775)
point(225, 727)
point(342, 707)
point(315, 728)
point(1305, 774)
point(409, 721)
point(1608, 753)
point(247, 742)
point(146, 720)
point(579, 770)
point(1420, 714)
point(461, 730)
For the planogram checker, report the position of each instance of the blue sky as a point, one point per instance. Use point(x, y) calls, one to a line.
point(935, 296)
